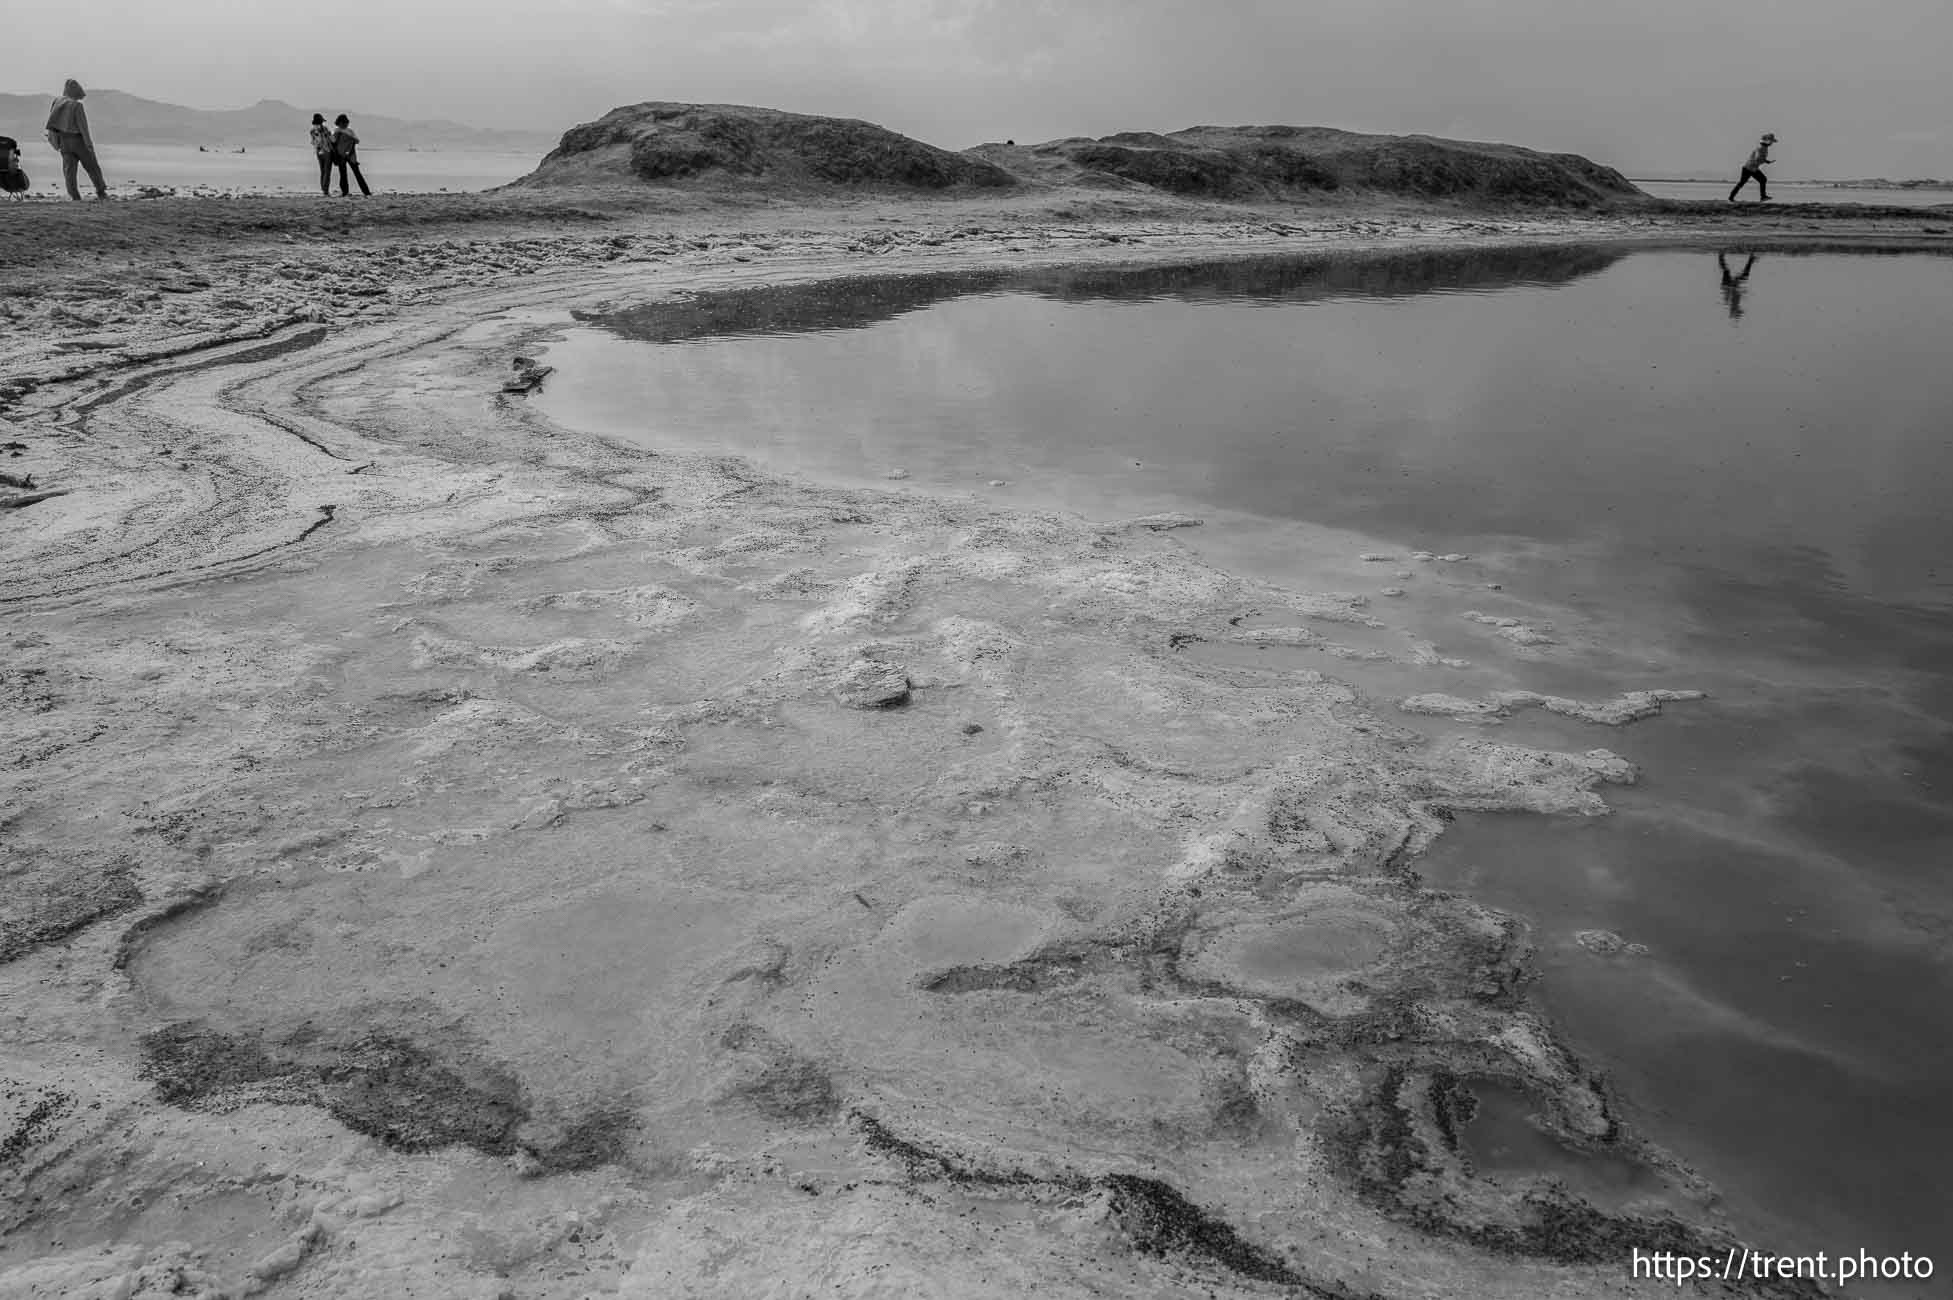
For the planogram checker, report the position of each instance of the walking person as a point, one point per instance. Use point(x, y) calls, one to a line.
point(345, 152)
point(322, 146)
point(1753, 169)
point(67, 131)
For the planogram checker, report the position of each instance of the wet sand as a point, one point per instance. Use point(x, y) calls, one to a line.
point(449, 854)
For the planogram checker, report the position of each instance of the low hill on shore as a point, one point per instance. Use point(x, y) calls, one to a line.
point(766, 149)
point(1246, 163)
point(763, 147)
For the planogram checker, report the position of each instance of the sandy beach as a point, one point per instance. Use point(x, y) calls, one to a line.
point(448, 854)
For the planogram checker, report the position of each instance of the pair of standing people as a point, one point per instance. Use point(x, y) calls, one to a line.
point(337, 146)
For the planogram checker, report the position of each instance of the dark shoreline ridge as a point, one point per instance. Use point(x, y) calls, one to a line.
point(662, 142)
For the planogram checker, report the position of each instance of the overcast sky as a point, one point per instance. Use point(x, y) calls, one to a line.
point(1650, 86)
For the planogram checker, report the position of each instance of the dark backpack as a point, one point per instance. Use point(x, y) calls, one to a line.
point(12, 179)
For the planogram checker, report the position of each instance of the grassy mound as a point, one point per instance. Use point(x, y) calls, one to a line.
point(1288, 162)
point(663, 142)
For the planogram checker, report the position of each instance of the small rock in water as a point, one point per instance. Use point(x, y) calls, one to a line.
point(528, 375)
point(999, 482)
point(1512, 629)
point(972, 728)
point(1608, 943)
point(1438, 705)
point(1163, 523)
point(1391, 591)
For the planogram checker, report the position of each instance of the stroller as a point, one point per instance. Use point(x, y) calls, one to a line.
point(12, 179)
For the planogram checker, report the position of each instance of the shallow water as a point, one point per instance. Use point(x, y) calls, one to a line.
point(1710, 471)
point(1503, 1140)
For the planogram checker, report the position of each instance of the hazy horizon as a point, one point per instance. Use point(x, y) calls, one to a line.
point(1663, 89)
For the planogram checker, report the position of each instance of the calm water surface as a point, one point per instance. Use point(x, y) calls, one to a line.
point(1716, 471)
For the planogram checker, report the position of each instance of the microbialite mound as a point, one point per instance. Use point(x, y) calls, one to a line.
point(1285, 162)
point(732, 142)
point(766, 149)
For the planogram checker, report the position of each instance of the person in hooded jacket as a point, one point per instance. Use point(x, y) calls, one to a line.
point(67, 131)
point(322, 146)
point(345, 151)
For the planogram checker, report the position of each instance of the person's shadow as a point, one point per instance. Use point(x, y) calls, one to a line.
point(1732, 284)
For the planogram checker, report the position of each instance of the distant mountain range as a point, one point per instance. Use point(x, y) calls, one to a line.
point(117, 117)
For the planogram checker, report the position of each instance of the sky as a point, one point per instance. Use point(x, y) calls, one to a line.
point(1654, 87)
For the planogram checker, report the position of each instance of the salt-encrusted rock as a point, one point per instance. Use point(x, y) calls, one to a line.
point(1512, 629)
point(286, 1257)
point(1630, 706)
point(1607, 943)
point(872, 684)
point(1480, 775)
point(1163, 522)
point(1287, 636)
point(1438, 705)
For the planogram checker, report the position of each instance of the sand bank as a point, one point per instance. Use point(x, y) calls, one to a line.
point(451, 855)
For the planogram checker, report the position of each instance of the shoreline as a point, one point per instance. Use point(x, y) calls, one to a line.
point(759, 802)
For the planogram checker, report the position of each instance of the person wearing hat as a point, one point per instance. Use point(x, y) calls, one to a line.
point(1754, 168)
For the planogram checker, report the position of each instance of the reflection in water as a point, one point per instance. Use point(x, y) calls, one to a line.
point(1298, 280)
point(871, 300)
point(1732, 285)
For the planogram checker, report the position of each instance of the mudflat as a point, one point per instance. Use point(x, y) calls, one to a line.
point(448, 854)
